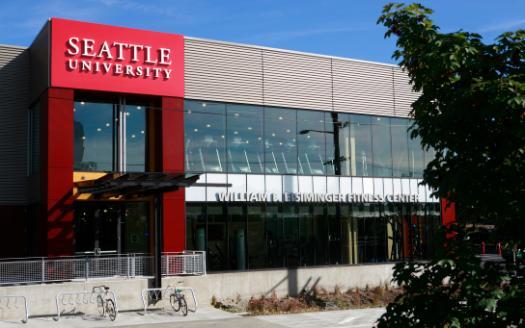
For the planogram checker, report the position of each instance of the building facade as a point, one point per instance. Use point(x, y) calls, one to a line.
point(300, 159)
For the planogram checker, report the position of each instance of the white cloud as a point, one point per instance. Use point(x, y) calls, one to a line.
point(503, 26)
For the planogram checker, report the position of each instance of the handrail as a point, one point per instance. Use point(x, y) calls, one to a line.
point(54, 269)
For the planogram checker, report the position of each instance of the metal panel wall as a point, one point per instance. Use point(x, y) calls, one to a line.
point(239, 73)
point(14, 94)
point(404, 95)
point(39, 63)
point(294, 80)
point(363, 87)
point(222, 72)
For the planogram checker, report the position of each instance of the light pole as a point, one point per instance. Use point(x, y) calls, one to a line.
point(336, 161)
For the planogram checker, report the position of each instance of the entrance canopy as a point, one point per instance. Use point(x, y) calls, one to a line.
point(135, 184)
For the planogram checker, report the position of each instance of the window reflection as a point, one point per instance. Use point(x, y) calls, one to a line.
point(280, 143)
point(135, 118)
point(254, 236)
point(360, 145)
point(253, 139)
point(311, 157)
point(416, 157)
point(205, 143)
point(382, 147)
point(245, 139)
point(400, 147)
point(94, 136)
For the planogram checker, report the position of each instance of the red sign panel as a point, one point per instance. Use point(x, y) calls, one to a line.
point(106, 58)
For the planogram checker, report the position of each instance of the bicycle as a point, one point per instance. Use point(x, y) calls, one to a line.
point(178, 302)
point(105, 304)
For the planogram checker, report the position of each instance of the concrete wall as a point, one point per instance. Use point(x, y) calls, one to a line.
point(41, 298)
point(284, 281)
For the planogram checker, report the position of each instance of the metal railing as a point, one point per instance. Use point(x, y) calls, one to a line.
point(42, 270)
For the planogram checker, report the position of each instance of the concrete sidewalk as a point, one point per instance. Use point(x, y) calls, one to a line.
point(124, 319)
point(359, 318)
point(211, 317)
point(345, 318)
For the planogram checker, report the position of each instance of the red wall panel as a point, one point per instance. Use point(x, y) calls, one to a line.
point(57, 171)
point(174, 212)
point(448, 212)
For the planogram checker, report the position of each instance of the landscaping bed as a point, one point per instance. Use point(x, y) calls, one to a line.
point(313, 300)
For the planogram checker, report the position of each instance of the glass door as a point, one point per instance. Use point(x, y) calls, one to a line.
point(111, 227)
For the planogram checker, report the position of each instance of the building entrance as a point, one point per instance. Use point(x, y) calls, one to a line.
point(112, 227)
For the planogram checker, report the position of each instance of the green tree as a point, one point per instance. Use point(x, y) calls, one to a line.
point(471, 111)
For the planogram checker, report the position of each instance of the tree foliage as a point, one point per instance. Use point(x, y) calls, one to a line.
point(471, 111)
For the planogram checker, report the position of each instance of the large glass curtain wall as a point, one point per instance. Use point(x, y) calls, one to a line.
point(221, 137)
point(109, 135)
point(240, 236)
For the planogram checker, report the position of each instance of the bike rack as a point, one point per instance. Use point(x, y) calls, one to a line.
point(13, 300)
point(158, 292)
point(79, 298)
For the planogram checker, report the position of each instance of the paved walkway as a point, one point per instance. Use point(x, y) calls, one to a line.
point(124, 319)
point(345, 318)
point(207, 317)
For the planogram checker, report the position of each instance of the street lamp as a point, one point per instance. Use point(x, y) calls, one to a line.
point(337, 149)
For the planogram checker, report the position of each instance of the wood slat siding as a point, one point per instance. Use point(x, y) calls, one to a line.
point(363, 88)
point(14, 94)
point(404, 95)
point(294, 80)
point(221, 72)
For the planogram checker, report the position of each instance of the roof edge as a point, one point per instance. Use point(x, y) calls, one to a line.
point(12, 46)
point(291, 51)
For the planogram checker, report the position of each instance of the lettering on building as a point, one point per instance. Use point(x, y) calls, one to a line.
point(315, 197)
point(118, 58)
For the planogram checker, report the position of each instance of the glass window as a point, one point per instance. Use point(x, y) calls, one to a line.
point(359, 145)
point(430, 154)
point(274, 236)
point(205, 135)
point(394, 231)
point(400, 147)
point(334, 233)
point(290, 235)
point(308, 252)
point(382, 147)
point(258, 246)
point(348, 235)
point(217, 254)
point(245, 139)
point(237, 236)
point(135, 228)
point(321, 233)
point(196, 227)
point(416, 157)
point(94, 135)
point(280, 143)
point(372, 237)
point(311, 142)
point(135, 136)
point(338, 143)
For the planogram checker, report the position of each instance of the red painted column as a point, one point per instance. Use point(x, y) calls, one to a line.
point(448, 212)
point(56, 160)
point(174, 210)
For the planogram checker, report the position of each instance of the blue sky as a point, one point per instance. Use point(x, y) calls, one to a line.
point(344, 28)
